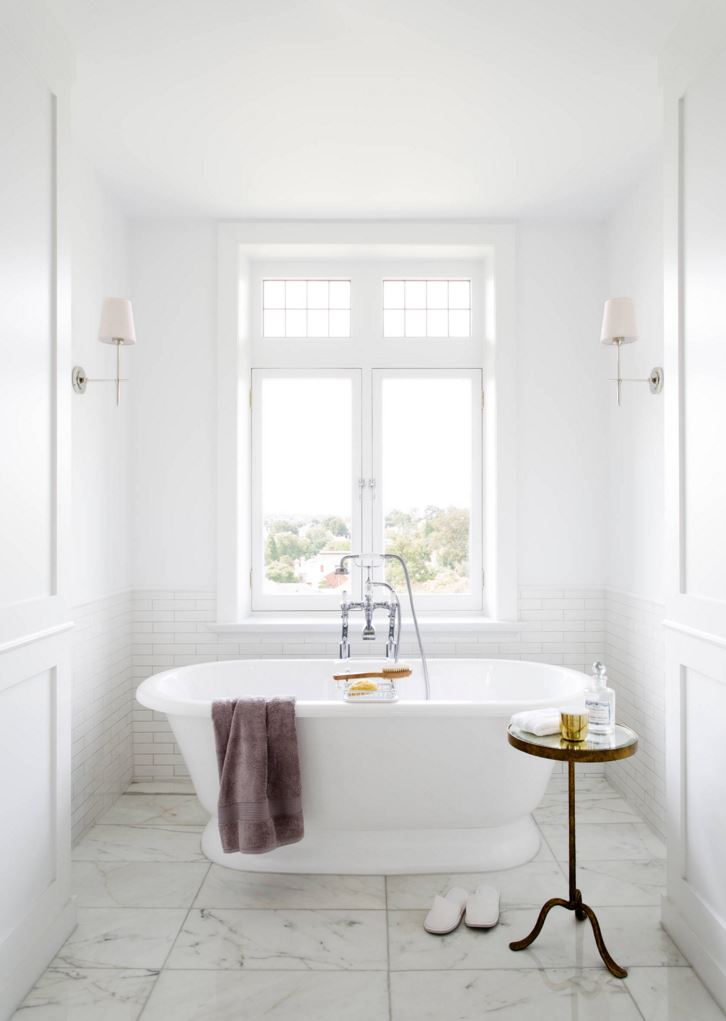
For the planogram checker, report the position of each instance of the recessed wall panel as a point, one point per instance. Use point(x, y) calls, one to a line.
point(704, 771)
point(27, 272)
point(703, 285)
point(27, 768)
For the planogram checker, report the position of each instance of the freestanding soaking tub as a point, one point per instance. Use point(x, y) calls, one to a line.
point(414, 786)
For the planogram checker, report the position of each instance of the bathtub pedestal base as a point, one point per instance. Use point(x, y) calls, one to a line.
point(391, 852)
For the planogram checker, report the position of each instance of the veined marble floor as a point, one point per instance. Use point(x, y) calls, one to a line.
point(165, 936)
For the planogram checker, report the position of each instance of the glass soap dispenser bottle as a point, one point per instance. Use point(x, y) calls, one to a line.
point(600, 702)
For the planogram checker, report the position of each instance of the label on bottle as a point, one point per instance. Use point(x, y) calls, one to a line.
point(600, 712)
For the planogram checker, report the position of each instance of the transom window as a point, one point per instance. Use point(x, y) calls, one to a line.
point(306, 308)
point(373, 447)
point(427, 308)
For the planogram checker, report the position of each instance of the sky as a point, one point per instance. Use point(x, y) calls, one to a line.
point(307, 440)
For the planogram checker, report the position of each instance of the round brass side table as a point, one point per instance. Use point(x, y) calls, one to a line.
point(620, 745)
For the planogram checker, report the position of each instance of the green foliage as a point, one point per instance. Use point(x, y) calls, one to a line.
point(282, 571)
point(434, 543)
point(335, 526)
point(291, 545)
point(291, 542)
point(275, 525)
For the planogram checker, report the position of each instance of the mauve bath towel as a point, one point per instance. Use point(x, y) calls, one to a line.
point(260, 804)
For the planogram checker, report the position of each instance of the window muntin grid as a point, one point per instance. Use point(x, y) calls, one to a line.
point(305, 308)
point(427, 308)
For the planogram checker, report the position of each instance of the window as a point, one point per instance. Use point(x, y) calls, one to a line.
point(427, 308)
point(379, 448)
point(306, 308)
point(332, 474)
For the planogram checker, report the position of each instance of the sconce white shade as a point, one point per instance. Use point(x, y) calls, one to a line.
point(618, 322)
point(117, 322)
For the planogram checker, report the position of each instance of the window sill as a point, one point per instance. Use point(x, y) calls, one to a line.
point(323, 623)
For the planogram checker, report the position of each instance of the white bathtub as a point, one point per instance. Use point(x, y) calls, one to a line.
point(415, 786)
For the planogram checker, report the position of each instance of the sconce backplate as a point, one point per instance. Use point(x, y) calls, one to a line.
point(80, 379)
point(655, 380)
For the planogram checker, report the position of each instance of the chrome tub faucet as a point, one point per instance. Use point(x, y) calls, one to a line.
point(368, 604)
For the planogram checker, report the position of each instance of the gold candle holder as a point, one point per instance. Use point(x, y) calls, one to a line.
point(573, 726)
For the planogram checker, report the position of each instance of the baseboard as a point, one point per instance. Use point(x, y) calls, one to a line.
point(28, 952)
point(711, 972)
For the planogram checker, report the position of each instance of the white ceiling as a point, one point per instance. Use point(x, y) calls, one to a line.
point(368, 108)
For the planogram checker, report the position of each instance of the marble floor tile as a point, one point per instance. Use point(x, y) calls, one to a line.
point(156, 810)
point(557, 995)
point(180, 786)
point(72, 994)
point(227, 888)
point(621, 883)
point(672, 994)
point(275, 996)
point(137, 843)
point(106, 884)
point(594, 783)
point(286, 940)
point(591, 808)
point(599, 842)
point(527, 886)
point(316, 948)
point(633, 936)
point(120, 938)
point(544, 853)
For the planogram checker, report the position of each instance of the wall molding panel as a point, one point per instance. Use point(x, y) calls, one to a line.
point(36, 907)
point(694, 75)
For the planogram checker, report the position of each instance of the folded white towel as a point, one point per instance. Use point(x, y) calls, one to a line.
point(538, 721)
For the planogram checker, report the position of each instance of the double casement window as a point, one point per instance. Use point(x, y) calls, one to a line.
point(366, 406)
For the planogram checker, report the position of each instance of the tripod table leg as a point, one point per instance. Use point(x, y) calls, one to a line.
point(612, 966)
point(522, 944)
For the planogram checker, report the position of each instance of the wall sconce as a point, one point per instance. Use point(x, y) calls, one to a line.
point(116, 327)
point(618, 328)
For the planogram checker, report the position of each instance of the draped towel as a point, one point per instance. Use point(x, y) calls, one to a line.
point(260, 806)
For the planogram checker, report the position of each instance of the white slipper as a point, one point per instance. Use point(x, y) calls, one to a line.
point(482, 908)
point(446, 912)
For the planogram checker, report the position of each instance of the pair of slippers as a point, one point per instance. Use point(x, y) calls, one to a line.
point(481, 909)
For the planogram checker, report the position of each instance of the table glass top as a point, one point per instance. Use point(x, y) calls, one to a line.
point(607, 744)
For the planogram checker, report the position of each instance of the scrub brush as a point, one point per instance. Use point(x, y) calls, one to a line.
point(393, 672)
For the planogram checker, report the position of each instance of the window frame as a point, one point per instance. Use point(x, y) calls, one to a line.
point(307, 336)
point(241, 244)
point(404, 308)
point(366, 350)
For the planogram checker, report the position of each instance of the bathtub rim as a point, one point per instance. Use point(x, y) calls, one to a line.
point(150, 695)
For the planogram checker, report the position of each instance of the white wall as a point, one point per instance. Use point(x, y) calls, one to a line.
point(562, 411)
point(100, 494)
point(635, 527)
point(561, 467)
point(635, 430)
point(174, 398)
point(101, 568)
